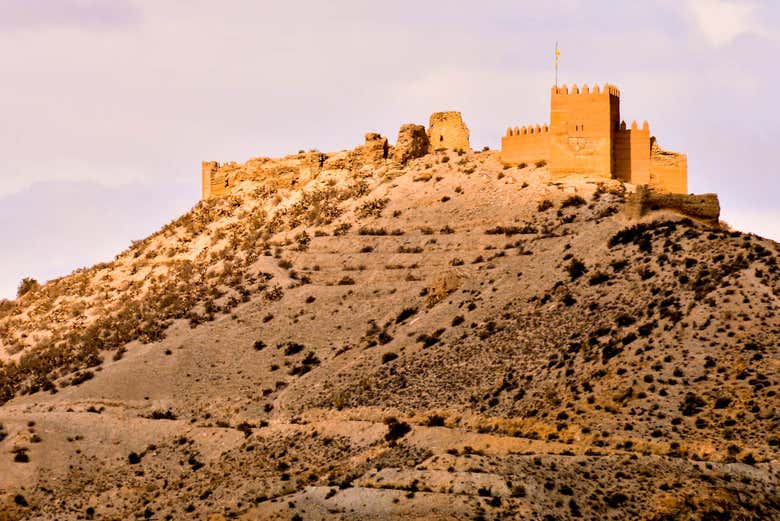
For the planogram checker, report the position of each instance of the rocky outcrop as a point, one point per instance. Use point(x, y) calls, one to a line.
point(412, 143)
point(705, 207)
point(447, 130)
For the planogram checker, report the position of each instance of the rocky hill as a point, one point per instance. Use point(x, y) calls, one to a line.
point(391, 336)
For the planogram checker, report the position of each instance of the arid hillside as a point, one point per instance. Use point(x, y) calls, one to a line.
point(395, 338)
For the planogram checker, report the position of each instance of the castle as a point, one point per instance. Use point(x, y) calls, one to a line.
point(587, 137)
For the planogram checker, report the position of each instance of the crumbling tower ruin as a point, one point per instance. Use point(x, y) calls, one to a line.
point(447, 130)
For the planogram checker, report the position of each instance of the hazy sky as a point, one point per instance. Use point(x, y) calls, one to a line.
point(108, 106)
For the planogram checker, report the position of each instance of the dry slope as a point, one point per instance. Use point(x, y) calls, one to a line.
point(445, 339)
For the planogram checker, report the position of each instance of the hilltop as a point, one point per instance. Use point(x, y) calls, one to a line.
point(375, 334)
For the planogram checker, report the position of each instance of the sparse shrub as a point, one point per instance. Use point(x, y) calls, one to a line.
point(598, 278)
point(306, 365)
point(20, 455)
point(544, 205)
point(342, 229)
point(303, 240)
point(404, 314)
point(722, 402)
point(541, 163)
point(365, 230)
point(27, 285)
point(133, 458)
point(162, 415)
point(396, 429)
point(434, 420)
point(346, 281)
point(576, 269)
point(384, 337)
point(625, 320)
point(456, 262)
point(81, 377)
point(518, 491)
point(291, 348)
point(371, 208)
point(574, 200)
point(388, 357)
point(366, 249)
point(616, 499)
point(447, 230)
point(274, 294)
point(691, 405)
point(511, 230)
point(484, 492)
point(429, 340)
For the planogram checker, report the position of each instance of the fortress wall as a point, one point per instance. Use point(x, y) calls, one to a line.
point(447, 130)
point(632, 154)
point(705, 207)
point(525, 145)
point(668, 170)
point(582, 122)
point(212, 184)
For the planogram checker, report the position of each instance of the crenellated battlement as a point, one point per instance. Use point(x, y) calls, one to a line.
point(564, 90)
point(635, 127)
point(526, 144)
point(530, 130)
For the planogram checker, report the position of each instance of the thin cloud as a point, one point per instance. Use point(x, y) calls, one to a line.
point(91, 14)
point(720, 22)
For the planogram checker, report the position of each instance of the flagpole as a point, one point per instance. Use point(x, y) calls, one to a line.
point(556, 64)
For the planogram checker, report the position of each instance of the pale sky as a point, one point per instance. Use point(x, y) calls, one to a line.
point(109, 106)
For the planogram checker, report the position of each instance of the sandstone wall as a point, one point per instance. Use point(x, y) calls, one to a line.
point(632, 154)
point(213, 184)
point(582, 123)
point(705, 207)
point(668, 170)
point(447, 130)
point(525, 145)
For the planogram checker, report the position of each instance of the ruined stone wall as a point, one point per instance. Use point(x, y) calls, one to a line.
point(447, 130)
point(668, 170)
point(582, 124)
point(705, 207)
point(213, 182)
point(525, 145)
point(632, 154)
point(412, 143)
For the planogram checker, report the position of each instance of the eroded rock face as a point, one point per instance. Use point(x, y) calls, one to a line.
point(699, 206)
point(412, 143)
point(374, 150)
point(447, 130)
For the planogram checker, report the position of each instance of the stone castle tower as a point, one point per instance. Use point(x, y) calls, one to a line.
point(586, 137)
